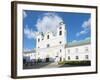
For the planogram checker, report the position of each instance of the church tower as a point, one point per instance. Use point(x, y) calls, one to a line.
point(62, 38)
point(61, 32)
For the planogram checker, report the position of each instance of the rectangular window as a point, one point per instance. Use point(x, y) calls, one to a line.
point(86, 57)
point(48, 37)
point(86, 49)
point(60, 42)
point(77, 57)
point(48, 45)
point(68, 57)
point(60, 50)
point(60, 33)
point(38, 40)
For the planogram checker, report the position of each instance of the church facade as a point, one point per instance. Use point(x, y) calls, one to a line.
point(51, 45)
point(54, 47)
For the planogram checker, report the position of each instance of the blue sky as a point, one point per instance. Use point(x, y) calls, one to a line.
point(77, 24)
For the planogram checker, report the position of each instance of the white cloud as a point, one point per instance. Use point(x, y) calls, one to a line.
point(87, 38)
point(26, 49)
point(74, 41)
point(87, 24)
point(79, 41)
point(49, 22)
point(85, 27)
point(24, 14)
point(30, 34)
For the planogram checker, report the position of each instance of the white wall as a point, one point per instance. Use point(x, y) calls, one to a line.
point(80, 52)
point(5, 41)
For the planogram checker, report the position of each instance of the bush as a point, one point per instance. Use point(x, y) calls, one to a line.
point(61, 62)
point(75, 62)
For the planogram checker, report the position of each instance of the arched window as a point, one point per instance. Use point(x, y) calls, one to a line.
point(47, 36)
point(60, 32)
point(48, 45)
point(60, 50)
point(38, 40)
point(60, 42)
point(60, 27)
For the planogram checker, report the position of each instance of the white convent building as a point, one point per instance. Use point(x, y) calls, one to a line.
point(52, 46)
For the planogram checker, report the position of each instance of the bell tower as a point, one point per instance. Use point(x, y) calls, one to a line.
point(62, 39)
point(62, 32)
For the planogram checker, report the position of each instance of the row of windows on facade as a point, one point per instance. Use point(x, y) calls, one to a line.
point(69, 58)
point(86, 50)
point(48, 45)
point(77, 57)
point(60, 33)
point(77, 50)
point(69, 51)
point(86, 56)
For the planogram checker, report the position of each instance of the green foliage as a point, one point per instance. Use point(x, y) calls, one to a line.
point(75, 62)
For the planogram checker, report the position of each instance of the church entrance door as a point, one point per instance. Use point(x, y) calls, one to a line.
point(47, 59)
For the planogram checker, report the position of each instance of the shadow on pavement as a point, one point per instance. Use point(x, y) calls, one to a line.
point(36, 66)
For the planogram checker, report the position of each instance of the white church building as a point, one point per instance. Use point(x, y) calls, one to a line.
point(54, 47)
